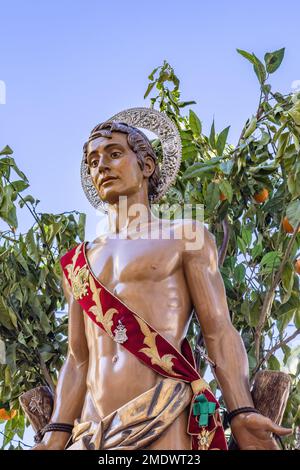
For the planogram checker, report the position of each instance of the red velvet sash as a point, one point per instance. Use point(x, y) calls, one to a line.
point(137, 336)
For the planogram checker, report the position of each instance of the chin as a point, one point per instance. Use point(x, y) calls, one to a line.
point(110, 196)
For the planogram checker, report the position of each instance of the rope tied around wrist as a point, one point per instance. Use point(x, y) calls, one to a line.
point(62, 427)
point(238, 411)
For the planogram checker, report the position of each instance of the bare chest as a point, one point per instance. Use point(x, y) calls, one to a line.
point(126, 261)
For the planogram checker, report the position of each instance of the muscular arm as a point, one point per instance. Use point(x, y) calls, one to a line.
point(224, 345)
point(71, 387)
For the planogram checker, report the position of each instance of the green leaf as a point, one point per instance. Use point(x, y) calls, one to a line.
point(273, 363)
point(297, 319)
point(287, 352)
point(189, 152)
point(250, 127)
point(251, 360)
point(6, 151)
point(26, 199)
point(212, 135)
point(266, 89)
point(239, 273)
point(241, 245)
point(284, 320)
point(213, 385)
point(5, 319)
point(212, 196)
point(195, 123)
point(10, 216)
point(149, 89)
point(256, 250)
point(151, 76)
point(247, 55)
point(21, 339)
point(288, 277)
point(226, 188)
point(81, 226)
point(7, 376)
point(199, 168)
point(258, 66)
point(20, 185)
point(271, 259)
point(13, 317)
point(293, 213)
point(265, 138)
point(247, 235)
point(221, 141)
point(255, 309)
point(194, 171)
point(274, 59)
point(260, 70)
point(283, 141)
point(245, 310)
point(183, 104)
point(21, 426)
point(226, 167)
point(32, 246)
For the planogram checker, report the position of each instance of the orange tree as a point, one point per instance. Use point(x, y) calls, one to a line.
point(32, 333)
point(251, 197)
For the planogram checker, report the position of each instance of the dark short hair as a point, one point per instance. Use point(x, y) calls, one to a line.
point(137, 141)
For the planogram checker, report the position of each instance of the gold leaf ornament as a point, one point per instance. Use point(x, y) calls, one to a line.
point(205, 439)
point(78, 276)
point(164, 362)
point(106, 319)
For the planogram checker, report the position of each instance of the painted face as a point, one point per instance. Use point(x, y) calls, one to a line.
point(114, 167)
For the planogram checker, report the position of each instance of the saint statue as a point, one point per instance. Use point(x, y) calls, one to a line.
point(130, 380)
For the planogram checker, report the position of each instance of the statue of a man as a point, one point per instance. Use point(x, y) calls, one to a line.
point(123, 382)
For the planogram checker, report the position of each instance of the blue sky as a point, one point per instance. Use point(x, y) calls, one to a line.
point(68, 65)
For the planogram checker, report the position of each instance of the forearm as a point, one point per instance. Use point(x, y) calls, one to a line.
point(69, 398)
point(228, 353)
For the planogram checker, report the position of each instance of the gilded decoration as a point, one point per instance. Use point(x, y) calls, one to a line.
point(78, 276)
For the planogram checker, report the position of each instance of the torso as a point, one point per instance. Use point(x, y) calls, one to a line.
point(146, 275)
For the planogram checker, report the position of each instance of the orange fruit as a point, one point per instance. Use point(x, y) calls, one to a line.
point(261, 195)
point(287, 227)
point(7, 415)
point(297, 266)
point(222, 197)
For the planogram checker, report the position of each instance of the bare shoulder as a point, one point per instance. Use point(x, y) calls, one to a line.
point(195, 235)
point(97, 242)
point(198, 243)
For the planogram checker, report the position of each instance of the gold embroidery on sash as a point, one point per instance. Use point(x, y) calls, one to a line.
point(205, 439)
point(78, 276)
point(164, 362)
point(106, 319)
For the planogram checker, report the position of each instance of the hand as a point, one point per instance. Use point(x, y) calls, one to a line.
point(53, 441)
point(40, 446)
point(253, 431)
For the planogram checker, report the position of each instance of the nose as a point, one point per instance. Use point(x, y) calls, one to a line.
point(103, 163)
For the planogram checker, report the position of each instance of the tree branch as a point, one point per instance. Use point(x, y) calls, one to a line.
point(14, 440)
point(274, 348)
point(46, 374)
point(268, 300)
point(225, 241)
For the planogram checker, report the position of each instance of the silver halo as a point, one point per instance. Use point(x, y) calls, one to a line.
point(165, 129)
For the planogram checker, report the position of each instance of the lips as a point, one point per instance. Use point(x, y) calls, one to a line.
point(107, 178)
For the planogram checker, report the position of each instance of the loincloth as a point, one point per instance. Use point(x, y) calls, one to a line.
point(136, 424)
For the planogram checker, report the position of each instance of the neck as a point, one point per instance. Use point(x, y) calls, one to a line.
point(129, 213)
